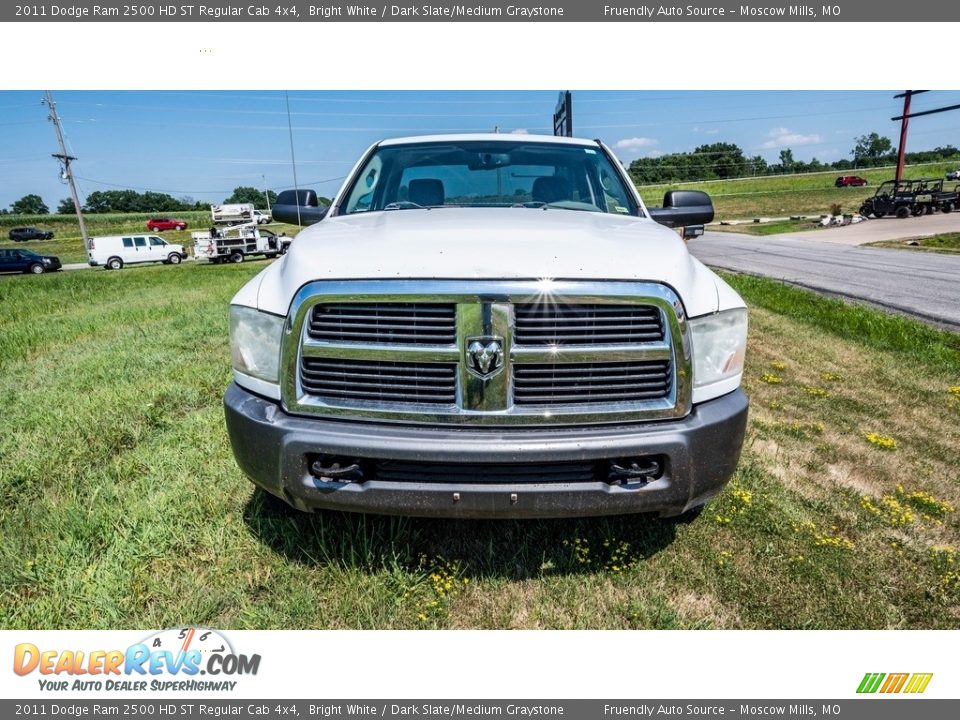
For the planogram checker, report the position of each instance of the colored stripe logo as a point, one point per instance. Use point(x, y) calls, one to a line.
point(914, 683)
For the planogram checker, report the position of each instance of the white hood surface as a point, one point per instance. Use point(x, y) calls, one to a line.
point(490, 244)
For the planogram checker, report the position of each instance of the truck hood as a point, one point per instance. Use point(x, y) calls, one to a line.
point(487, 243)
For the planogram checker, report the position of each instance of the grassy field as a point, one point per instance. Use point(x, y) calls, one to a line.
point(945, 243)
point(780, 196)
point(68, 245)
point(122, 507)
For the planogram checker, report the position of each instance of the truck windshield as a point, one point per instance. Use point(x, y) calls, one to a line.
point(488, 174)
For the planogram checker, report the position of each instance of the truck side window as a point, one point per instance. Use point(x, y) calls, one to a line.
point(128, 242)
point(140, 242)
point(155, 241)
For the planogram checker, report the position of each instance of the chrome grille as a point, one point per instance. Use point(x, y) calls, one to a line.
point(407, 351)
point(578, 383)
point(402, 323)
point(550, 323)
point(405, 382)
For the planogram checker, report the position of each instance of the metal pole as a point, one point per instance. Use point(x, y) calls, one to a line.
point(902, 149)
point(293, 157)
point(66, 159)
point(266, 193)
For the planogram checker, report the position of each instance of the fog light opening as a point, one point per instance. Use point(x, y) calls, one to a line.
point(336, 468)
point(635, 470)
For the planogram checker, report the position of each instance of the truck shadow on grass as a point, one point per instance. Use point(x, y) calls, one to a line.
point(506, 549)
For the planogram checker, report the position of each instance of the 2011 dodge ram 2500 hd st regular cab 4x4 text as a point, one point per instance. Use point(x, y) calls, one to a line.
point(489, 326)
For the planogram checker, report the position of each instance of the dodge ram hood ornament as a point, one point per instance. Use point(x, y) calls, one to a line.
point(484, 356)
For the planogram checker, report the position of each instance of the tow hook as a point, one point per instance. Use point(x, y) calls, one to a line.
point(329, 469)
point(634, 470)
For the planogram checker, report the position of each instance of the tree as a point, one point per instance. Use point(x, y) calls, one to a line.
point(722, 160)
point(66, 207)
point(247, 194)
point(786, 159)
point(30, 205)
point(869, 149)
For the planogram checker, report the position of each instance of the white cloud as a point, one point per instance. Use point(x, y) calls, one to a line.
point(784, 137)
point(520, 131)
point(707, 131)
point(635, 143)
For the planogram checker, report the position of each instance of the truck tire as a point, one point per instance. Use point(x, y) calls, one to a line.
point(947, 207)
point(174, 258)
point(114, 263)
point(236, 257)
point(903, 212)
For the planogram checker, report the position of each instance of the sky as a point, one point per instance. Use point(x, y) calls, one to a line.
point(204, 144)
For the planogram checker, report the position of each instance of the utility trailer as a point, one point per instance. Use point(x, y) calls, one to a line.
point(236, 242)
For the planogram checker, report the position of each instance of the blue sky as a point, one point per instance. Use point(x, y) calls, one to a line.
point(203, 144)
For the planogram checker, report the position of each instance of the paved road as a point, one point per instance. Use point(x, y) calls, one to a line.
point(888, 228)
point(923, 284)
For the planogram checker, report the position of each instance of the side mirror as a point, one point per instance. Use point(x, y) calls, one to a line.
point(298, 207)
point(683, 208)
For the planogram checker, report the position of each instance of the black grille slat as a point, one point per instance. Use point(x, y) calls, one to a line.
point(579, 383)
point(378, 323)
point(584, 324)
point(490, 473)
point(396, 382)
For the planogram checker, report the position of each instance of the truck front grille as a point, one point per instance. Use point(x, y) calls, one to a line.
point(404, 382)
point(488, 353)
point(400, 323)
point(549, 323)
point(578, 383)
point(554, 472)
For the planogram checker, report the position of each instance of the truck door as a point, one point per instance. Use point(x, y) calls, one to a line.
point(141, 250)
point(158, 248)
point(128, 253)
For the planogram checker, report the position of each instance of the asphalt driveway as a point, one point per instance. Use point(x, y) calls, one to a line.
point(923, 284)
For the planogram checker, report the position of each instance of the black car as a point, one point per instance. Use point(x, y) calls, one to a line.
point(30, 233)
point(26, 261)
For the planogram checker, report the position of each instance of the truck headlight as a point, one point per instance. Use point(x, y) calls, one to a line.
point(255, 342)
point(719, 346)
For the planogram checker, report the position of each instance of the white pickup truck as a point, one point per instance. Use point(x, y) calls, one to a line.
point(489, 326)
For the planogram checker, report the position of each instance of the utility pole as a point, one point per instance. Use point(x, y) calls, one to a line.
point(266, 193)
point(904, 122)
point(906, 117)
point(65, 161)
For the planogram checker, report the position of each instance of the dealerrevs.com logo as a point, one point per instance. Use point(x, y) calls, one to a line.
point(891, 683)
point(168, 660)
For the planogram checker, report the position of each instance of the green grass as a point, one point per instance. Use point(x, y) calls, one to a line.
point(780, 196)
point(770, 228)
point(68, 245)
point(121, 505)
point(945, 243)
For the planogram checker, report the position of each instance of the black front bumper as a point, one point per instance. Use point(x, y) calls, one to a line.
point(275, 450)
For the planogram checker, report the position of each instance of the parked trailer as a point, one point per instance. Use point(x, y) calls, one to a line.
point(234, 243)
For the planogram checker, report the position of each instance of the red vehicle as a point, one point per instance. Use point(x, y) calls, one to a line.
point(158, 224)
point(850, 181)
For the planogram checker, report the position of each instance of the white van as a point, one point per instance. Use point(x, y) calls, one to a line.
point(115, 251)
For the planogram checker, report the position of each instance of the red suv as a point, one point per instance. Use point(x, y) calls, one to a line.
point(850, 181)
point(158, 224)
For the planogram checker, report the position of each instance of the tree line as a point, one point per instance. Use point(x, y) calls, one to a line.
point(724, 161)
point(131, 201)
